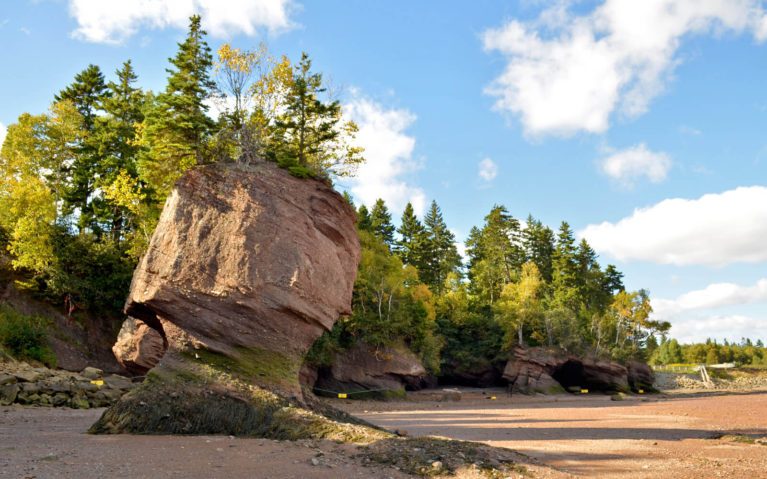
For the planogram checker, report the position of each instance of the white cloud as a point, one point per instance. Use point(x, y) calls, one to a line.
point(3, 132)
point(714, 230)
point(488, 170)
point(389, 154)
point(688, 130)
point(569, 73)
point(732, 327)
point(627, 165)
point(715, 295)
point(113, 21)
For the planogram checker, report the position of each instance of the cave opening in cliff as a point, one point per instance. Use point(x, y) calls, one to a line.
point(570, 374)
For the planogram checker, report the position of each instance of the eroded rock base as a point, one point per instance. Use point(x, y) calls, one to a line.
point(188, 396)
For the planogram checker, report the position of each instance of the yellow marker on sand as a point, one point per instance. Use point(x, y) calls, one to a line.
point(584, 391)
point(341, 395)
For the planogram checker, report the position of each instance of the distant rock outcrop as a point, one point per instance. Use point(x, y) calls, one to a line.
point(247, 267)
point(539, 370)
point(367, 368)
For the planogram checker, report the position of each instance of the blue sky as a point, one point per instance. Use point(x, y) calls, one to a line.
point(640, 123)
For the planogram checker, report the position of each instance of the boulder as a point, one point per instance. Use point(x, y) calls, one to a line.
point(6, 378)
point(247, 267)
point(8, 393)
point(377, 369)
point(139, 347)
point(640, 375)
point(91, 373)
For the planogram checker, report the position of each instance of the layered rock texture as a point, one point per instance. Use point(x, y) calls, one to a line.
point(247, 267)
point(539, 370)
point(364, 368)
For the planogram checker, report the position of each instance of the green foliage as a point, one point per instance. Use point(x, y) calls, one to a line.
point(746, 353)
point(176, 126)
point(310, 130)
point(439, 256)
point(380, 221)
point(25, 337)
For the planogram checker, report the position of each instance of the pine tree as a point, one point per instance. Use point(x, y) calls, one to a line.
point(87, 93)
point(310, 138)
point(538, 241)
point(380, 220)
point(565, 270)
point(177, 126)
point(441, 256)
point(115, 134)
point(410, 246)
point(363, 219)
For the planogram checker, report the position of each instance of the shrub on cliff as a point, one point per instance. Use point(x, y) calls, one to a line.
point(25, 336)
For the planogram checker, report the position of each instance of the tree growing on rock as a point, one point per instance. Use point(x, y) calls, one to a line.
point(310, 137)
point(177, 126)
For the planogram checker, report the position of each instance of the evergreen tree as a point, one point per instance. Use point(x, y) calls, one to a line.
point(380, 220)
point(115, 135)
point(538, 241)
point(363, 219)
point(176, 127)
point(410, 247)
point(440, 254)
point(495, 252)
point(87, 93)
point(565, 269)
point(309, 138)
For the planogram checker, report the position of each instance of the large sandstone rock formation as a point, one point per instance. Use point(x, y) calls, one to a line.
point(246, 268)
point(367, 368)
point(539, 370)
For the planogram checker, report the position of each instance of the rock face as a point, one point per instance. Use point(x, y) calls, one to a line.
point(139, 348)
point(538, 370)
point(247, 267)
point(247, 259)
point(87, 341)
point(640, 375)
point(531, 371)
point(365, 368)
